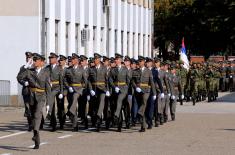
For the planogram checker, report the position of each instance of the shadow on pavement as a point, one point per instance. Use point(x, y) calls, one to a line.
point(13, 126)
point(230, 98)
point(14, 148)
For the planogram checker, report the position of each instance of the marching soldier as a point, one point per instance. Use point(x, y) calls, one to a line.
point(159, 90)
point(83, 107)
point(176, 91)
point(167, 98)
point(119, 81)
point(75, 81)
point(223, 71)
point(182, 73)
point(143, 85)
point(56, 81)
point(25, 89)
point(99, 88)
point(39, 85)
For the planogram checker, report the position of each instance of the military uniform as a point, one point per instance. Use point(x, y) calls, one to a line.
point(56, 81)
point(75, 81)
point(25, 89)
point(39, 85)
point(143, 85)
point(176, 92)
point(99, 88)
point(119, 81)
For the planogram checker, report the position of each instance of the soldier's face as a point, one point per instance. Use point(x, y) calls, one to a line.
point(141, 63)
point(133, 66)
point(113, 65)
point(106, 63)
point(97, 61)
point(157, 64)
point(84, 62)
point(173, 71)
point(149, 64)
point(118, 60)
point(127, 63)
point(52, 60)
point(75, 61)
point(37, 63)
point(62, 62)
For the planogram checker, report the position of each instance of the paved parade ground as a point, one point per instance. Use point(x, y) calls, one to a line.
point(205, 129)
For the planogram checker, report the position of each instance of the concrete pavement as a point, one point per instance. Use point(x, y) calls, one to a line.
point(206, 129)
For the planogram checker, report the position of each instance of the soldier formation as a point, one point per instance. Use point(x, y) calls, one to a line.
point(114, 91)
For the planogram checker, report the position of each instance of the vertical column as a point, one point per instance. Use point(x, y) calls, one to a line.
point(141, 24)
point(150, 32)
point(146, 22)
point(130, 37)
point(72, 28)
point(119, 7)
point(81, 48)
point(98, 30)
point(110, 30)
point(136, 30)
point(62, 28)
point(51, 28)
point(125, 29)
point(89, 44)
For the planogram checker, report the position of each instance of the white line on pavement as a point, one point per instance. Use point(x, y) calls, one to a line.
point(65, 136)
point(43, 143)
point(6, 154)
point(14, 134)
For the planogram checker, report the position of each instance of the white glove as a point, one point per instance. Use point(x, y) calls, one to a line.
point(26, 83)
point(129, 98)
point(88, 97)
point(92, 93)
point(117, 89)
point(60, 96)
point(231, 76)
point(47, 108)
point(169, 95)
point(182, 97)
point(107, 93)
point(28, 64)
point(71, 90)
point(138, 90)
point(162, 95)
point(172, 97)
point(154, 97)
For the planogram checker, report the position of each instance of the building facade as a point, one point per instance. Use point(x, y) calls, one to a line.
point(72, 26)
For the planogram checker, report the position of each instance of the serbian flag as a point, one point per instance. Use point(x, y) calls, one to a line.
point(183, 56)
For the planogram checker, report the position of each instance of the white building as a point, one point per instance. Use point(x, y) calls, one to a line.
point(71, 26)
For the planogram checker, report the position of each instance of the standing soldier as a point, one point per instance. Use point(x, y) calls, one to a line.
point(75, 81)
point(38, 83)
point(56, 81)
point(143, 85)
point(25, 89)
point(99, 88)
point(119, 81)
point(176, 91)
point(223, 71)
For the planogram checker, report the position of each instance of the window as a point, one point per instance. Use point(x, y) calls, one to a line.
point(56, 36)
point(122, 42)
point(76, 37)
point(45, 37)
point(128, 37)
point(67, 37)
